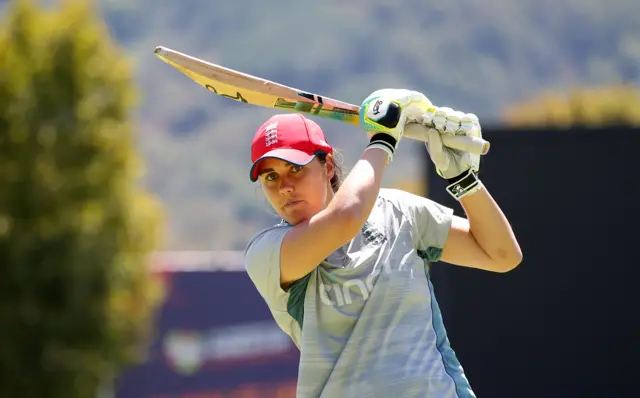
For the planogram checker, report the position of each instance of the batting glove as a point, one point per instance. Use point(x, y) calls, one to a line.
point(385, 112)
point(460, 168)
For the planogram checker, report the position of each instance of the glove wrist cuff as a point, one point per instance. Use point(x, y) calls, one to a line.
point(385, 142)
point(385, 139)
point(463, 185)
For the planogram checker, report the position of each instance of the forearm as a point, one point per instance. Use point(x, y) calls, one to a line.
point(490, 228)
point(359, 191)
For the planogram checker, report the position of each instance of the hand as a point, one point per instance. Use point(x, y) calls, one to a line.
point(458, 167)
point(385, 112)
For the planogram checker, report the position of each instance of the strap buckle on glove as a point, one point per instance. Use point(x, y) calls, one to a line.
point(463, 185)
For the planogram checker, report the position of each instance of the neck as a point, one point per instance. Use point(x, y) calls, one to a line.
point(330, 195)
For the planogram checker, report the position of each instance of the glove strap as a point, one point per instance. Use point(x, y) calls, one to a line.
point(463, 185)
point(385, 142)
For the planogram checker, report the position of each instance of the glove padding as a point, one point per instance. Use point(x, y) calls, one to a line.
point(458, 167)
point(384, 114)
point(451, 163)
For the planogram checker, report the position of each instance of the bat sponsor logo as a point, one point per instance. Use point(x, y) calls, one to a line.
point(238, 96)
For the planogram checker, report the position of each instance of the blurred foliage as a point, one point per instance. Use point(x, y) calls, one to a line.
point(617, 105)
point(474, 55)
point(75, 230)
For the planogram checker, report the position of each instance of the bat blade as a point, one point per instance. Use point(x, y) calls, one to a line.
point(253, 90)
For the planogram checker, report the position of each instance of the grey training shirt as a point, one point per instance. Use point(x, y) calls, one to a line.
point(366, 320)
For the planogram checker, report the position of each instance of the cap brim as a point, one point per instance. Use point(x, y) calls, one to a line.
point(293, 156)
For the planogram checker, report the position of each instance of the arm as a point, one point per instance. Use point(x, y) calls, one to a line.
point(306, 245)
point(485, 239)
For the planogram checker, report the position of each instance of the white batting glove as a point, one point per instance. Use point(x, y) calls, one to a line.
point(385, 112)
point(458, 167)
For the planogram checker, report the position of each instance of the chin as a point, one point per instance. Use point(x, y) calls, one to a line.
point(295, 219)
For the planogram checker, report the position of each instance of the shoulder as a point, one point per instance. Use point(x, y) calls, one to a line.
point(258, 236)
point(395, 195)
point(412, 205)
point(430, 221)
point(262, 264)
point(403, 199)
point(264, 244)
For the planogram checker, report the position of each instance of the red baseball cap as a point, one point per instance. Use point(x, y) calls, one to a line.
point(290, 137)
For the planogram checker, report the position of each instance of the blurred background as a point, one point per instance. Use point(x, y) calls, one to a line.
point(125, 204)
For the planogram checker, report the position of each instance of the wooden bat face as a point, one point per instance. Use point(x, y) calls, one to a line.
point(253, 90)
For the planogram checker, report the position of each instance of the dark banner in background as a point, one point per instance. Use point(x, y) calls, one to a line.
point(566, 322)
point(214, 338)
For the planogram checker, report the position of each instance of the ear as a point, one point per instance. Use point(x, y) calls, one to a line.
point(330, 167)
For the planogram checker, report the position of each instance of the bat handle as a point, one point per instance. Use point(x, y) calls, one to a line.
point(475, 145)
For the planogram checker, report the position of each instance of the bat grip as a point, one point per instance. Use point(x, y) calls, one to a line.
point(475, 145)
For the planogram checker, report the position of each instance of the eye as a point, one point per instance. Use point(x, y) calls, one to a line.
point(295, 168)
point(271, 177)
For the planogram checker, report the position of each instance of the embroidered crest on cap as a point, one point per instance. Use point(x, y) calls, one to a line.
point(271, 134)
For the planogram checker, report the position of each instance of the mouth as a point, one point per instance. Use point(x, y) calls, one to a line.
point(293, 203)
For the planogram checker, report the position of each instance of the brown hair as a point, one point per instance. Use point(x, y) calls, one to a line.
point(336, 180)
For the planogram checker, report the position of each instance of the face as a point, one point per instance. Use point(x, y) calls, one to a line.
point(296, 193)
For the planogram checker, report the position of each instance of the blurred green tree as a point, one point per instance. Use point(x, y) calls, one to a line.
point(587, 106)
point(76, 231)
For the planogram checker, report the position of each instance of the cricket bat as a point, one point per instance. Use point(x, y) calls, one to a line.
point(249, 89)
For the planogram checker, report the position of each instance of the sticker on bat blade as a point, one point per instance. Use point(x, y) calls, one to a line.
point(307, 107)
point(297, 106)
point(315, 109)
point(331, 103)
point(238, 97)
point(319, 108)
point(312, 97)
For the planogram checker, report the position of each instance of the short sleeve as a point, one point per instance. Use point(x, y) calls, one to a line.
point(262, 263)
point(431, 220)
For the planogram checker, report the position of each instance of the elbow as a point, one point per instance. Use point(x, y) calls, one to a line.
point(508, 260)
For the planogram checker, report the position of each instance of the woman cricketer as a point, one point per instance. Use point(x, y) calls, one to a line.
point(346, 272)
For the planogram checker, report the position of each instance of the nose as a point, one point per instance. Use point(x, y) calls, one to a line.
point(286, 185)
